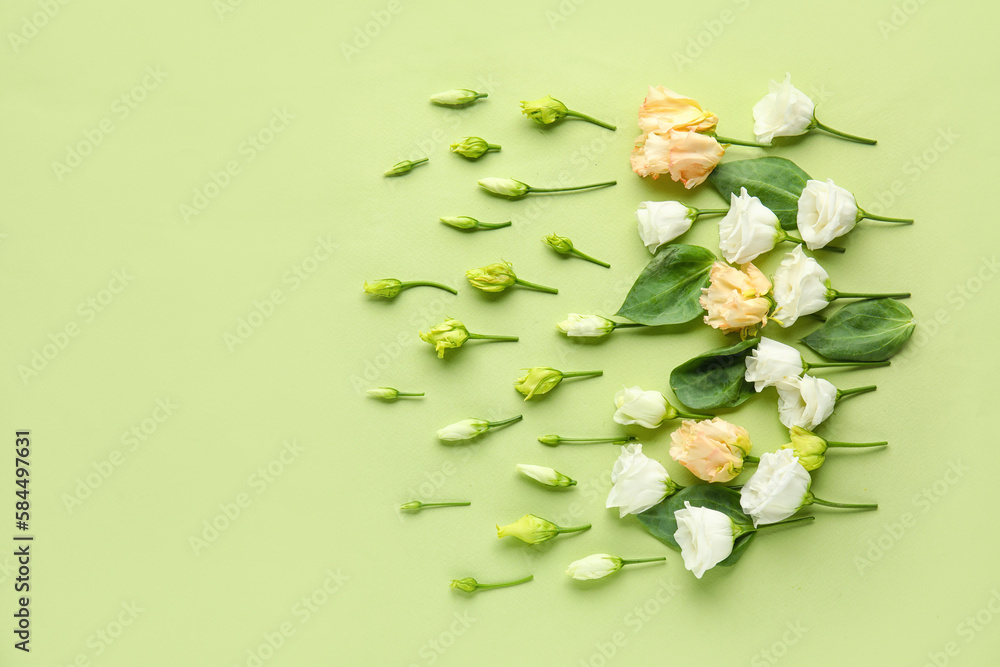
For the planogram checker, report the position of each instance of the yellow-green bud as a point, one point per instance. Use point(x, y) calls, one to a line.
point(560, 244)
point(458, 97)
point(545, 111)
point(403, 167)
point(550, 440)
point(469, 585)
point(808, 447)
point(460, 222)
point(493, 278)
point(386, 288)
point(473, 147)
point(450, 333)
point(505, 187)
point(537, 381)
point(411, 506)
point(533, 529)
point(385, 393)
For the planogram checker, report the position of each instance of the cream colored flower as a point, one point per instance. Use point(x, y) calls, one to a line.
point(663, 221)
point(664, 110)
point(735, 299)
point(825, 212)
point(784, 112)
point(776, 490)
point(801, 287)
point(638, 482)
point(805, 401)
point(705, 536)
point(645, 408)
point(688, 157)
point(749, 229)
point(712, 449)
point(771, 362)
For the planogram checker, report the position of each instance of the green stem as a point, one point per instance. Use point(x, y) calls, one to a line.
point(503, 422)
point(465, 504)
point(400, 394)
point(698, 212)
point(493, 225)
point(835, 364)
point(574, 529)
point(590, 119)
point(577, 187)
point(739, 142)
point(491, 337)
point(536, 286)
point(687, 415)
point(589, 258)
point(414, 163)
point(834, 294)
point(786, 521)
point(577, 374)
point(618, 441)
point(642, 560)
point(627, 325)
point(837, 443)
point(508, 583)
point(492, 147)
point(862, 214)
point(843, 393)
point(833, 248)
point(844, 135)
point(846, 506)
point(751, 459)
point(793, 239)
point(427, 283)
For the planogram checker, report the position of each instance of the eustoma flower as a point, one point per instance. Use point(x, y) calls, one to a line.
point(514, 189)
point(811, 449)
point(404, 167)
point(459, 97)
point(390, 393)
point(638, 482)
point(771, 362)
point(736, 300)
point(546, 476)
point(598, 566)
point(780, 488)
point(749, 230)
point(661, 222)
point(473, 147)
point(471, 428)
point(712, 449)
point(465, 222)
point(788, 112)
point(389, 288)
point(827, 211)
point(645, 408)
point(499, 276)
point(452, 334)
point(532, 529)
point(548, 110)
point(564, 246)
point(470, 585)
point(543, 379)
point(802, 287)
point(807, 401)
point(590, 326)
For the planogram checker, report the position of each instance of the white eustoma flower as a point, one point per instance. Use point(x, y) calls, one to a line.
point(826, 211)
point(705, 536)
point(771, 362)
point(596, 566)
point(639, 482)
point(588, 326)
point(805, 401)
point(546, 476)
point(801, 287)
point(645, 408)
point(463, 430)
point(662, 221)
point(777, 490)
point(784, 112)
point(749, 229)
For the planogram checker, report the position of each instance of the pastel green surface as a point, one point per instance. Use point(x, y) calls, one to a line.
point(283, 118)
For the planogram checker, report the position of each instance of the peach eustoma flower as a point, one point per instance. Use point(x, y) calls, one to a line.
point(712, 449)
point(736, 299)
point(664, 110)
point(689, 157)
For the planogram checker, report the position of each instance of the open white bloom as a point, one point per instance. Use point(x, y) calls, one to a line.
point(705, 536)
point(784, 112)
point(801, 287)
point(463, 430)
point(826, 211)
point(777, 490)
point(546, 476)
point(639, 482)
point(588, 326)
point(749, 229)
point(645, 408)
point(771, 362)
point(596, 566)
point(805, 401)
point(662, 221)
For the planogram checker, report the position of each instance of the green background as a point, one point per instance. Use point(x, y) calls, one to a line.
point(321, 528)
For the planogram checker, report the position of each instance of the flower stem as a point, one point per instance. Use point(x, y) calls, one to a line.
point(862, 214)
point(833, 248)
point(846, 506)
point(507, 583)
point(837, 443)
point(491, 337)
point(574, 529)
point(626, 325)
point(843, 393)
point(493, 225)
point(401, 394)
point(642, 560)
point(576, 374)
point(465, 504)
point(698, 212)
point(427, 283)
point(587, 257)
point(414, 163)
point(740, 142)
point(492, 147)
point(687, 415)
point(590, 119)
point(786, 521)
point(577, 187)
point(618, 441)
point(844, 135)
point(834, 364)
point(504, 422)
point(793, 239)
point(751, 459)
point(536, 286)
point(858, 295)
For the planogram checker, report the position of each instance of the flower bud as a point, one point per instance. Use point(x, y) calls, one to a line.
point(546, 476)
point(596, 566)
point(472, 147)
point(505, 187)
point(530, 529)
point(386, 288)
point(460, 222)
point(550, 440)
point(458, 97)
point(587, 326)
point(449, 334)
point(384, 393)
point(560, 244)
point(493, 278)
point(463, 430)
point(411, 506)
point(545, 111)
point(807, 446)
point(469, 585)
point(403, 167)
point(537, 381)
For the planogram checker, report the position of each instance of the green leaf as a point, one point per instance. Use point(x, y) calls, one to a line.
point(775, 181)
point(668, 289)
point(871, 330)
point(715, 379)
point(660, 522)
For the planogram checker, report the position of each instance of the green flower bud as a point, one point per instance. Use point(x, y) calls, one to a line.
point(560, 244)
point(386, 288)
point(469, 585)
point(808, 447)
point(537, 381)
point(460, 222)
point(550, 440)
point(458, 97)
point(385, 393)
point(411, 506)
point(416, 505)
point(449, 334)
point(532, 529)
point(546, 476)
point(492, 278)
point(473, 147)
point(505, 187)
point(545, 111)
point(403, 167)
